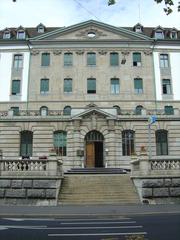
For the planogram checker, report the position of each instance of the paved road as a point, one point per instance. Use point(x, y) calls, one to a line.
point(151, 226)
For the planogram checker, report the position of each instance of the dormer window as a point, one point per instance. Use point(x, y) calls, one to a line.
point(21, 34)
point(173, 35)
point(40, 28)
point(159, 34)
point(138, 28)
point(6, 35)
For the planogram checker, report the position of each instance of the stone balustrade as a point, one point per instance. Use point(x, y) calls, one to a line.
point(31, 167)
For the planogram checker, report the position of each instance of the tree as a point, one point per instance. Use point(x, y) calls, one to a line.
point(167, 8)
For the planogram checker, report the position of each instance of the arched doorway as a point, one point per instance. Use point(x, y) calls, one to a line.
point(94, 149)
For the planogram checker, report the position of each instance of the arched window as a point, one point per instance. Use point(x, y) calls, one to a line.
point(162, 142)
point(43, 111)
point(93, 136)
point(128, 142)
point(60, 142)
point(138, 110)
point(118, 109)
point(26, 143)
point(67, 110)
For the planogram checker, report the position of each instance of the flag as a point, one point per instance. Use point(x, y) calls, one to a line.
point(152, 119)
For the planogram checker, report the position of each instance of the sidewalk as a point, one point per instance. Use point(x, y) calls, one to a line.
point(85, 210)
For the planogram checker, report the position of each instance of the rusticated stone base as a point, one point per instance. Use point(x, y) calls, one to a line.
point(159, 190)
point(29, 191)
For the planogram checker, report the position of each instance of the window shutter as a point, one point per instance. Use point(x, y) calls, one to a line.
point(45, 59)
point(136, 57)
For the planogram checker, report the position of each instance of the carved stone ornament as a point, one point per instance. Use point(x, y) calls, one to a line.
point(34, 52)
point(79, 52)
point(57, 52)
point(102, 52)
point(147, 52)
point(85, 33)
point(125, 52)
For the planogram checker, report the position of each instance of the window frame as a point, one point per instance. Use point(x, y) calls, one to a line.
point(114, 59)
point(13, 92)
point(136, 62)
point(166, 87)
point(90, 90)
point(164, 60)
point(161, 146)
point(61, 147)
point(67, 86)
point(138, 90)
point(18, 61)
point(68, 59)
point(42, 87)
point(115, 88)
point(45, 59)
point(21, 34)
point(91, 59)
point(128, 142)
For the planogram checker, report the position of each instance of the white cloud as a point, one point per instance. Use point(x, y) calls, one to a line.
point(29, 13)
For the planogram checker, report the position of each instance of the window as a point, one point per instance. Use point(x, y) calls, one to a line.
point(21, 34)
point(138, 110)
point(173, 35)
point(67, 85)
point(68, 59)
point(91, 85)
point(137, 59)
point(169, 110)
point(16, 87)
point(6, 35)
point(40, 28)
point(114, 59)
point(60, 142)
point(128, 142)
point(91, 59)
point(43, 111)
point(159, 34)
point(45, 59)
point(18, 61)
point(138, 29)
point(166, 86)
point(115, 86)
point(26, 143)
point(161, 142)
point(15, 111)
point(67, 110)
point(138, 85)
point(44, 86)
point(164, 61)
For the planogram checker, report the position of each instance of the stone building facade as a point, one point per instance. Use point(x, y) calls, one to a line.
point(88, 92)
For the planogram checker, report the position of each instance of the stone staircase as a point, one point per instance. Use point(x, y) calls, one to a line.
point(98, 189)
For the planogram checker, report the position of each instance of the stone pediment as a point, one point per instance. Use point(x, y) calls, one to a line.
point(91, 30)
point(94, 113)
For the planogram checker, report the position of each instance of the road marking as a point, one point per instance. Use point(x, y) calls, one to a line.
point(84, 223)
point(96, 234)
point(22, 227)
point(65, 228)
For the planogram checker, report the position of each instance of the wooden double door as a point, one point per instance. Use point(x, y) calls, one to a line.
point(94, 154)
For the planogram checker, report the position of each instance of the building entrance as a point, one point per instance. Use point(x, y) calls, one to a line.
point(94, 149)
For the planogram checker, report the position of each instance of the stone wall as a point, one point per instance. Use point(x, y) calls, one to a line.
point(29, 191)
point(159, 190)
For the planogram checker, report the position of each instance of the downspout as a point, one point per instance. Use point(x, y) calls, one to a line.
point(154, 76)
point(27, 102)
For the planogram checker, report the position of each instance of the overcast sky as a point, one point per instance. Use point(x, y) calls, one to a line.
point(58, 13)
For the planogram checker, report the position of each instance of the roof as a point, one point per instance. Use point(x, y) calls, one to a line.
point(32, 32)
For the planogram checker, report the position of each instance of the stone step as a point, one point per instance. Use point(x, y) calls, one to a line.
point(97, 188)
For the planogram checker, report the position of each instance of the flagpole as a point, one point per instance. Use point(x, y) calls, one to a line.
point(149, 141)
